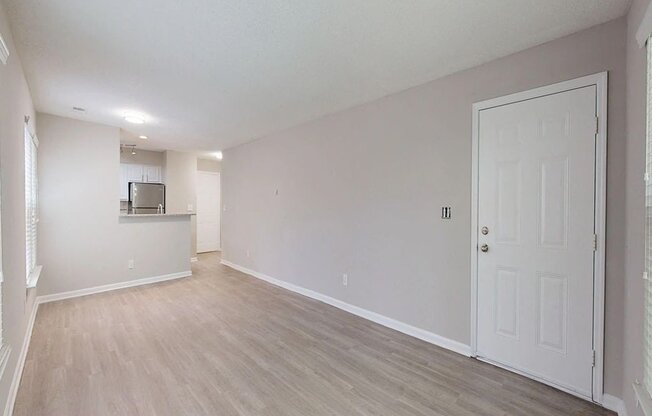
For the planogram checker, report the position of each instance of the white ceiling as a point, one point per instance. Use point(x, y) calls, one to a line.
point(210, 74)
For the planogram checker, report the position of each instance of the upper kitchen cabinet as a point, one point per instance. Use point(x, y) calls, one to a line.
point(152, 174)
point(142, 173)
point(124, 182)
point(130, 172)
point(135, 173)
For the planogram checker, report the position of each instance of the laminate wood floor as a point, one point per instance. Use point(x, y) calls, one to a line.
point(223, 343)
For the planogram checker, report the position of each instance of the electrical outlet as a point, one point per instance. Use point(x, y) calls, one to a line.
point(130, 264)
point(345, 279)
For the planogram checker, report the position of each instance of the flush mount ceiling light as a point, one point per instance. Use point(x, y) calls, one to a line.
point(218, 155)
point(143, 137)
point(134, 118)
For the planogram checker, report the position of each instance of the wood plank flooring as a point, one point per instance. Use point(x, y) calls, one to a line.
point(223, 343)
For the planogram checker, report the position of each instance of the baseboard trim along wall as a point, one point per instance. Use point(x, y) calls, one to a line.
point(399, 326)
point(614, 403)
point(20, 364)
point(608, 401)
point(112, 286)
point(13, 390)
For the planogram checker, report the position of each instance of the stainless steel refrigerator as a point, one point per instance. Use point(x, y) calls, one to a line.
point(146, 198)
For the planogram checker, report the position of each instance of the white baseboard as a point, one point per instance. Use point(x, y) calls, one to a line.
point(20, 364)
point(113, 286)
point(608, 401)
point(422, 334)
point(15, 383)
point(614, 403)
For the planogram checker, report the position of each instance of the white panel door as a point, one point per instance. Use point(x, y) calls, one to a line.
point(208, 211)
point(536, 184)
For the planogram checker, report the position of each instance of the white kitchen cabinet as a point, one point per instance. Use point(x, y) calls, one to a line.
point(152, 174)
point(135, 173)
point(138, 173)
point(124, 182)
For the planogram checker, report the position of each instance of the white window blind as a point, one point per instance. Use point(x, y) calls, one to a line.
point(31, 201)
point(1, 280)
point(648, 230)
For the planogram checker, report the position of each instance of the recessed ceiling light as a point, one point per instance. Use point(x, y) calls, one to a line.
point(79, 109)
point(218, 155)
point(143, 137)
point(134, 118)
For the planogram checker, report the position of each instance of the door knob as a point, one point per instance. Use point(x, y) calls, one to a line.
point(484, 248)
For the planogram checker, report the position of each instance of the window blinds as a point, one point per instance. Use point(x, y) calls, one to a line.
point(31, 201)
point(648, 229)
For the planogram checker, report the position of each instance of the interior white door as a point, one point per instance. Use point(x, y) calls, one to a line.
point(536, 184)
point(208, 211)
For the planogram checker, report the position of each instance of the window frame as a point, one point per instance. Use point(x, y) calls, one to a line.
point(4, 348)
point(32, 269)
point(643, 389)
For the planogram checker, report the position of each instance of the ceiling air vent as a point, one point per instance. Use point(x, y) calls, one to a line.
point(4, 52)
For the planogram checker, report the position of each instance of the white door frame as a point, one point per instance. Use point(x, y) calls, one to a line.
point(600, 81)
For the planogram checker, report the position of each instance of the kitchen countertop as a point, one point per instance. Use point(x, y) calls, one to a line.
point(125, 215)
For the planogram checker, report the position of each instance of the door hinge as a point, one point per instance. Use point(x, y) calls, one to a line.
point(593, 359)
point(597, 125)
point(595, 242)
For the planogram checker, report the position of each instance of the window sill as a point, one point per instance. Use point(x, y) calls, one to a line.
point(643, 398)
point(32, 281)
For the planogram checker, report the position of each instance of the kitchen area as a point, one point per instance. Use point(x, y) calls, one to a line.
point(106, 242)
point(151, 198)
point(142, 188)
point(168, 184)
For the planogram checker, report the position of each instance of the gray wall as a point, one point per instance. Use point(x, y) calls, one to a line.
point(15, 104)
point(635, 203)
point(208, 165)
point(360, 192)
point(143, 157)
point(82, 241)
point(181, 188)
